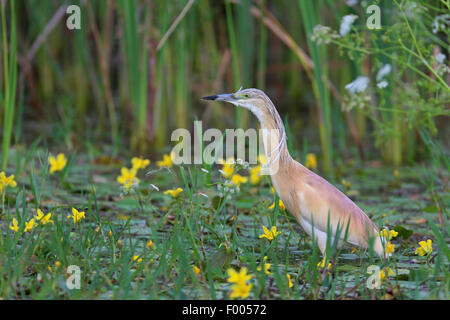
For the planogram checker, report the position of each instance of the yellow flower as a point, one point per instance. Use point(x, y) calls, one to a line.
point(227, 167)
point(270, 234)
point(6, 182)
point(110, 233)
point(29, 225)
point(241, 277)
point(237, 179)
point(57, 264)
point(280, 205)
point(321, 264)
point(14, 225)
point(382, 274)
point(76, 215)
point(127, 177)
point(387, 235)
point(137, 259)
point(57, 163)
point(196, 269)
point(150, 245)
point(347, 185)
point(262, 159)
point(254, 174)
point(166, 161)
point(139, 163)
point(240, 288)
point(425, 248)
point(290, 284)
point(396, 174)
point(311, 161)
point(389, 248)
point(266, 267)
point(44, 218)
point(173, 192)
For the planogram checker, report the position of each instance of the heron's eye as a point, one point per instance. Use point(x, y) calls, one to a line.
point(247, 95)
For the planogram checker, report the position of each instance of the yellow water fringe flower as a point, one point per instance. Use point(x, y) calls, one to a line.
point(237, 179)
point(139, 163)
point(266, 267)
point(321, 264)
point(262, 159)
point(29, 225)
point(240, 291)
point(385, 271)
point(127, 177)
point(280, 205)
point(76, 215)
point(150, 244)
point(166, 161)
point(389, 248)
point(311, 161)
point(240, 288)
point(173, 192)
point(6, 182)
point(14, 226)
point(241, 277)
point(347, 185)
point(396, 174)
point(290, 284)
point(196, 269)
point(227, 167)
point(425, 248)
point(57, 163)
point(270, 234)
point(44, 218)
point(137, 259)
point(255, 174)
point(387, 235)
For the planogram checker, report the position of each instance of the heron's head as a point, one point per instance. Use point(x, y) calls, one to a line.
point(254, 100)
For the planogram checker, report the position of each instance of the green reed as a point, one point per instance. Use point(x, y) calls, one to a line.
point(136, 59)
point(309, 11)
point(8, 100)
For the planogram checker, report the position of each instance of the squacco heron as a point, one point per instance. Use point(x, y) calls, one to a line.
point(310, 198)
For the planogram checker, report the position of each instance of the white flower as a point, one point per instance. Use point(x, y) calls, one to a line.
point(384, 71)
point(322, 34)
point(202, 194)
point(382, 84)
point(440, 58)
point(440, 22)
point(204, 170)
point(154, 187)
point(346, 24)
point(358, 85)
point(351, 3)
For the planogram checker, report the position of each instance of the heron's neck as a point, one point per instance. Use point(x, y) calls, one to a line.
point(274, 139)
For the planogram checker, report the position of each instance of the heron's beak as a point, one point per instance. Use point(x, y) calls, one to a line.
point(228, 97)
